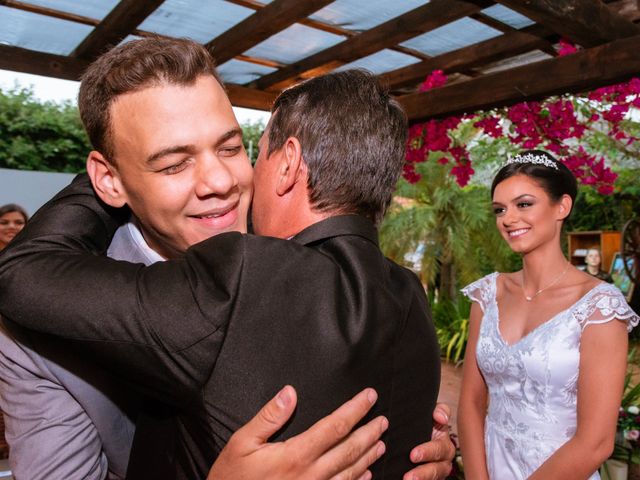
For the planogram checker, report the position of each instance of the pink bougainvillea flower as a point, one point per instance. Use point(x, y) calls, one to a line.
point(435, 79)
point(462, 172)
point(633, 86)
point(567, 47)
point(616, 113)
point(410, 175)
point(490, 125)
point(605, 189)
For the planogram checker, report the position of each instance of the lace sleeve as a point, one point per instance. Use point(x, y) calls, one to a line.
point(606, 303)
point(482, 290)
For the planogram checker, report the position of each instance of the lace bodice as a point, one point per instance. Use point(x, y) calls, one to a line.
point(533, 383)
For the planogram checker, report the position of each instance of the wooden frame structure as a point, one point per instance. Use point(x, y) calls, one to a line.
point(607, 32)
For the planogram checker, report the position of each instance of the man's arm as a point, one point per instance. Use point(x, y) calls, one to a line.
point(54, 279)
point(48, 431)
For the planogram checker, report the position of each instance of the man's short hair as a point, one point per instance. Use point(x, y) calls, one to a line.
point(133, 66)
point(353, 137)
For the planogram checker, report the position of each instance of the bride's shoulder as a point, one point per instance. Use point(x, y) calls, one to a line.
point(481, 290)
point(600, 302)
point(509, 281)
point(510, 277)
point(584, 283)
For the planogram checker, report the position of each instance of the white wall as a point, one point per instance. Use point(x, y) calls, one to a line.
point(30, 189)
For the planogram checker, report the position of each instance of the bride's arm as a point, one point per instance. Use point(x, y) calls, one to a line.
point(603, 357)
point(472, 407)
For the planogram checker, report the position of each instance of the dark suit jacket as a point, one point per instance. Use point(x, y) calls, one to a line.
point(220, 331)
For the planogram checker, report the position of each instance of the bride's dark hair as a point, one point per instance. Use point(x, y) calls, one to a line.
point(555, 181)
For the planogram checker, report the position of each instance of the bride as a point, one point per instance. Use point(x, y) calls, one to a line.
point(545, 363)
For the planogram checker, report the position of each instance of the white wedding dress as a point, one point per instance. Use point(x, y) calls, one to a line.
point(533, 383)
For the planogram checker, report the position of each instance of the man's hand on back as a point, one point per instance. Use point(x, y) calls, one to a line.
point(326, 451)
point(439, 452)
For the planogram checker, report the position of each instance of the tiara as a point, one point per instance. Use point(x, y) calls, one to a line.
point(538, 159)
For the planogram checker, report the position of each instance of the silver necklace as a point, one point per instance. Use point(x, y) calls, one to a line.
point(555, 280)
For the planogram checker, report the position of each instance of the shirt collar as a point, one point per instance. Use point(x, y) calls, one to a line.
point(337, 226)
point(141, 244)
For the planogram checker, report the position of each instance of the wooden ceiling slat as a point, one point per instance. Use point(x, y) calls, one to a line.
point(39, 63)
point(70, 68)
point(506, 45)
point(335, 29)
point(49, 12)
point(586, 22)
point(266, 22)
point(119, 23)
point(629, 9)
point(492, 22)
point(406, 26)
point(326, 27)
point(249, 98)
point(259, 61)
point(584, 70)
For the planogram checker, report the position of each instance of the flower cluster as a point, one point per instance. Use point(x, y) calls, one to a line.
point(433, 136)
point(619, 99)
point(629, 424)
point(553, 125)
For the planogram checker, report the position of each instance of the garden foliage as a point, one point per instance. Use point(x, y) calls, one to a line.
point(43, 136)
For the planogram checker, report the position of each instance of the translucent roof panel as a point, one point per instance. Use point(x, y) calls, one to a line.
point(129, 37)
point(508, 16)
point(237, 71)
point(363, 14)
point(294, 43)
point(200, 21)
point(452, 36)
point(96, 9)
point(38, 32)
point(382, 61)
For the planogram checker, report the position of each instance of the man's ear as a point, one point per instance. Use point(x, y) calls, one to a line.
point(106, 180)
point(564, 207)
point(292, 167)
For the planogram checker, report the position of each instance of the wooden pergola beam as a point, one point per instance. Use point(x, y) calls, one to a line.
point(584, 70)
point(39, 63)
point(629, 9)
point(119, 23)
point(586, 22)
point(512, 43)
point(68, 68)
point(406, 26)
point(250, 98)
point(267, 21)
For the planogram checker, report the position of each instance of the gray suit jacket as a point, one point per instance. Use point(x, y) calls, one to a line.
point(67, 419)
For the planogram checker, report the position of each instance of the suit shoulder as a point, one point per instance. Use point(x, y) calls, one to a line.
point(402, 271)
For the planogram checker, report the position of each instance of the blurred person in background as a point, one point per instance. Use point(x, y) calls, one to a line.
point(12, 219)
point(593, 261)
